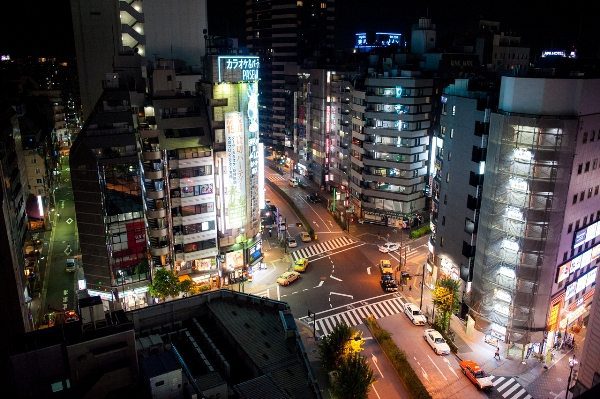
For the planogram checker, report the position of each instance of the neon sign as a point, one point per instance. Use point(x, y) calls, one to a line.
point(238, 68)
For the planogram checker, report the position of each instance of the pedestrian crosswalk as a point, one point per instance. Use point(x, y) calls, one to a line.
point(509, 388)
point(355, 316)
point(276, 178)
point(322, 247)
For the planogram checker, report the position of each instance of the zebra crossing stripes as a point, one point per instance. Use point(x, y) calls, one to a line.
point(509, 388)
point(275, 178)
point(354, 317)
point(318, 249)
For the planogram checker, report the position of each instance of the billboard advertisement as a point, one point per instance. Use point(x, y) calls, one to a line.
point(235, 190)
point(234, 259)
point(129, 246)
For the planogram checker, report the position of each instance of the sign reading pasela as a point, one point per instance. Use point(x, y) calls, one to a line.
point(240, 68)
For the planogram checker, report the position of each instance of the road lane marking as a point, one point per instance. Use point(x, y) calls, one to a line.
point(337, 293)
point(450, 367)
point(375, 390)
point(369, 270)
point(436, 366)
point(278, 293)
point(337, 252)
point(320, 284)
point(335, 278)
point(374, 359)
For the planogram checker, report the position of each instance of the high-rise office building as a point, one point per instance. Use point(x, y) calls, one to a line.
point(537, 242)
point(286, 33)
point(107, 185)
point(151, 28)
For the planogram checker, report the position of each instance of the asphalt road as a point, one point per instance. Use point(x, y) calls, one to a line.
point(59, 284)
point(440, 374)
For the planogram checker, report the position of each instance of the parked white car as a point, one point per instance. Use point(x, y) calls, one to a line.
point(414, 314)
point(291, 242)
point(436, 341)
point(389, 247)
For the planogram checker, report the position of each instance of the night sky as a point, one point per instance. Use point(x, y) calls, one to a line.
point(44, 28)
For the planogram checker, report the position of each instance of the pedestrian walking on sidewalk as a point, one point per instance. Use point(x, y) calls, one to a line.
point(497, 354)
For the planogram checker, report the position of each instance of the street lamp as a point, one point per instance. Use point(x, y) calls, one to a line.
point(572, 363)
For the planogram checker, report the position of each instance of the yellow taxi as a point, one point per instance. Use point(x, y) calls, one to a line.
point(300, 265)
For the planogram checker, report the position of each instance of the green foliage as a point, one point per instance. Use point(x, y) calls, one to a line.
point(165, 283)
point(421, 231)
point(353, 378)
point(446, 301)
point(142, 267)
point(332, 346)
point(398, 359)
point(204, 287)
point(186, 286)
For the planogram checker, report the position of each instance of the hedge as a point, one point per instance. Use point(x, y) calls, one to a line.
point(421, 231)
point(292, 205)
point(398, 359)
point(449, 341)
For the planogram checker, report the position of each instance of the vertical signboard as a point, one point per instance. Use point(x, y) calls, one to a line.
point(235, 204)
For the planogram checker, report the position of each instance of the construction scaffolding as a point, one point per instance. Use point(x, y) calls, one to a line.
point(518, 197)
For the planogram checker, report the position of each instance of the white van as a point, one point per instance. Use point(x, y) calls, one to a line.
point(293, 182)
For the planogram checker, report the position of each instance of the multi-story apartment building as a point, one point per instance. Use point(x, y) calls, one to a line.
point(537, 247)
point(285, 33)
point(178, 172)
point(16, 294)
point(390, 146)
point(458, 162)
point(498, 51)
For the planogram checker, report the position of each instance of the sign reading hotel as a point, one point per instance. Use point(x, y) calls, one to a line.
point(237, 68)
point(235, 190)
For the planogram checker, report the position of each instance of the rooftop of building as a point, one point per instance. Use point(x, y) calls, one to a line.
point(220, 338)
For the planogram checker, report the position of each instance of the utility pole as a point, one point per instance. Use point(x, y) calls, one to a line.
point(314, 317)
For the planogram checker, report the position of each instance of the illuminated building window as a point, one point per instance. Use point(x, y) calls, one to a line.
point(523, 154)
point(518, 183)
point(514, 213)
point(506, 272)
point(510, 245)
point(502, 309)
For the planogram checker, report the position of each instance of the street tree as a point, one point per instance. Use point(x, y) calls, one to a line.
point(353, 378)
point(445, 301)
point(333, 346)
point(186, 286)
point(165, 283)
